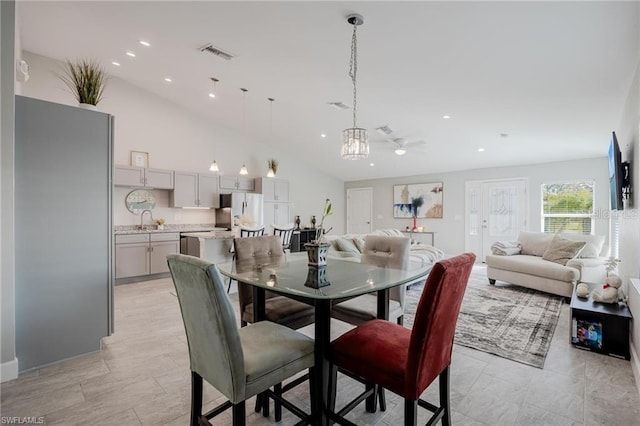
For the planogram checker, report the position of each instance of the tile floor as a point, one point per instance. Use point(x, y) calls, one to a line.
point(142, 377)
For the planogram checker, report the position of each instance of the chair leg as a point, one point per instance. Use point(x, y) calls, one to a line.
point(333, 383)
point(371, 401)
point(258, 406)
point(410, 412)
point(277, 406)
point(265, 405)
point(382, 399)
point(196, 398)
point(239, 414)
point(444, 397)
point(400, 320)
point(229, 286)
point(313, 402)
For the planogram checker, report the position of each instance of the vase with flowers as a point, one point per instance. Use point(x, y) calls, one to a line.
point(317, 249)
point(416, 203)
point(160, 223)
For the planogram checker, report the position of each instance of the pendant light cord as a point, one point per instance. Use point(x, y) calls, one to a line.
point(353, 68)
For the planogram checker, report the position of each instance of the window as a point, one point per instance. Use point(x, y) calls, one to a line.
point(567, 207)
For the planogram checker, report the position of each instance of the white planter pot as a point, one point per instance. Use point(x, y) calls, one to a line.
point(88, 106)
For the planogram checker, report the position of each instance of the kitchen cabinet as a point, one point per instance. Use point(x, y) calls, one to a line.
point(141, 177)
point(144, 254)
point(237, 183)
point(195, 190)
point(276, 190)
point(276, 214)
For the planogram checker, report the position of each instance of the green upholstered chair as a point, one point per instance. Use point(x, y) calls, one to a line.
point(407, 361)
point(240, 363)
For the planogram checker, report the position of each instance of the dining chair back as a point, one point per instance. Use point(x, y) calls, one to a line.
point(390, 252)
point(283, 310)
point(245, 233)
point(419, 355)
point(285, 235)
point(251, 232)
point(238, 363)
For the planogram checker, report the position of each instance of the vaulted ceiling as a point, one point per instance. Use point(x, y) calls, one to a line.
point(528, 82)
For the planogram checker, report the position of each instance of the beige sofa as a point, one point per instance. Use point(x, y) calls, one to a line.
point(529, 269)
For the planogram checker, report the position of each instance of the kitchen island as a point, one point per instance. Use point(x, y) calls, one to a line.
point(214, 246)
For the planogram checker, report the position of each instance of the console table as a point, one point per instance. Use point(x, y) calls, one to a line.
point(301, 236)
point(424, 237)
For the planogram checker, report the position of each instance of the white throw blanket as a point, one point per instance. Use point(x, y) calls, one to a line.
point(506, 248)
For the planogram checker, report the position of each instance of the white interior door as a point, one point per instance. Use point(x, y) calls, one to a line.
point(495, 211)
point(359, 207)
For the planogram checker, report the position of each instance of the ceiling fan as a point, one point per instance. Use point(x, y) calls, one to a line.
point(401, 145)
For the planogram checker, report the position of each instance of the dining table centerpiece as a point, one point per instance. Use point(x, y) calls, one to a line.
point(317, 249)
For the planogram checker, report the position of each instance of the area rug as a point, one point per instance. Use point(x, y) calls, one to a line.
point(505, 320)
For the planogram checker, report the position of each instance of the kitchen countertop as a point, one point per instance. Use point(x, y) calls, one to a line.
point(124, 230)
point(218, 235)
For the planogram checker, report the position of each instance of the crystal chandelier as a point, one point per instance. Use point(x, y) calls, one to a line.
point(354, 140)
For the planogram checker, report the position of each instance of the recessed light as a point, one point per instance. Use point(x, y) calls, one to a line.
point(145, 43)
point(446, 117)
point(372, 164)
point(168, 80)
point(133, 55)
point(323, 135)
point(117, 64)
point(212, 95)
point(480, 149)
point(504, 135)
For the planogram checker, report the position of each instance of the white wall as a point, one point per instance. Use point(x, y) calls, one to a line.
point(450, 232)
point(628, 134)
point(178, 139)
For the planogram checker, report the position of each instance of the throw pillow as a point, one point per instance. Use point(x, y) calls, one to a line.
point(359, 242)
point(592, 248)
point(534, 243)
point(347, 245)
point(561, 250)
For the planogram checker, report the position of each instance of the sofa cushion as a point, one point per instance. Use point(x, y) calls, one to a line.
point(346, 244)
point(561, 250)
point(593, 246)
point(359, 242)
point(534, 265)
point(534, 243)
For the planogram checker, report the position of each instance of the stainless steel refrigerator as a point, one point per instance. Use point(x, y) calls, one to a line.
point(63, 231)
point(238, 204)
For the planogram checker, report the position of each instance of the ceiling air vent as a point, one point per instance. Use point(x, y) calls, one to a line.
point(210, 48)
point(385, 130)
point(338, 105)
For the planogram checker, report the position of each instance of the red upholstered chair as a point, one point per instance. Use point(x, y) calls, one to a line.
point(407, 361)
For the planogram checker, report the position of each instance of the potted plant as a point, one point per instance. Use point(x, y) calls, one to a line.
point(272, 165)
point(317, 249)
point(86, 79)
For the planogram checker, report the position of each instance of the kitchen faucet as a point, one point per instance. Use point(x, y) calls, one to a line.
point(142, 217)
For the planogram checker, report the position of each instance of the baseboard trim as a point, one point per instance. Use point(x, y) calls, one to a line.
point(635, 366)
point(9, 370)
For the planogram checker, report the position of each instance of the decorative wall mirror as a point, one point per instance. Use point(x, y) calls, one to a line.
point(139, 200)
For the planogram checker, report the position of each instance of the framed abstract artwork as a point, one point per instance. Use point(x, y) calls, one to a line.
point(423, 200)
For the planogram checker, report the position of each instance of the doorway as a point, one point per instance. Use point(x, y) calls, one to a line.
point(496, 210)
point(359, 210)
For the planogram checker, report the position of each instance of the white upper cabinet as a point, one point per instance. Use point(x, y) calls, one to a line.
point(195, 190)
point(141, 177)
point(276, 190)
point(237, 183)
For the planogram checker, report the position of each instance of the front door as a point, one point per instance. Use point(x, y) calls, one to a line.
point(359, 206)
point(495, 211)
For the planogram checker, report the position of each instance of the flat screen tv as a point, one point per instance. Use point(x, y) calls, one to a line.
point(616, 174)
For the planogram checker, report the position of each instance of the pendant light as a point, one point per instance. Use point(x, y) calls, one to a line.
point(214, 167)
point(354, 140)
point(243, 169)
point(213, 93)
point(271, 173)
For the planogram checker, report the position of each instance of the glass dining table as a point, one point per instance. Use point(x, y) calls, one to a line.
point(339, 280)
